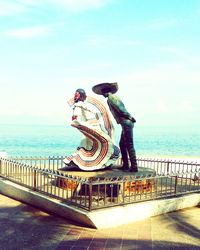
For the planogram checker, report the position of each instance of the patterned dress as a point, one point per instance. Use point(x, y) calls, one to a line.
point(97, 149)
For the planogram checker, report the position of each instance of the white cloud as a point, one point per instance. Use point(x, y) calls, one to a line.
point(174, 106)
point(9, 8)
point(30, 32)
point(29, 2)
point(186, 106)
point(160, 24)
point(170, 49)
point(165, 75)
point(79, 5)
point(161, 106)
point(186, 55)
point(69, 5)
point(102, 41)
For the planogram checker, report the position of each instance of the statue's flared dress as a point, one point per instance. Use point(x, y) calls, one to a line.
point(97, 149)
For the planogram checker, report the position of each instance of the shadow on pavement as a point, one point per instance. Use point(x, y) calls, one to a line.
point(25, 227)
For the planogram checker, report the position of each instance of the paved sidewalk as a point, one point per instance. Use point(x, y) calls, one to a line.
point(25, 227)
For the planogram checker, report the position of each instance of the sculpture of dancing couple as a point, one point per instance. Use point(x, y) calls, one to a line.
point(97, 149)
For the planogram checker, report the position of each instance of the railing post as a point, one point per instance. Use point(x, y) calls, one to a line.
point(34, 179)
point(167, 167)
point(123, 191)
point(0, 166)
point(176, 182)
point(90, 196)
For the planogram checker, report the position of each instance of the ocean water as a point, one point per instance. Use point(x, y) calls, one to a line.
point(43, 140)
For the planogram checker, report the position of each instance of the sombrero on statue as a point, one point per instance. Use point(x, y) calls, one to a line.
point(106, 87)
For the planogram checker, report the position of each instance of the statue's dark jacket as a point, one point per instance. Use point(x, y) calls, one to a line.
point(118, 109)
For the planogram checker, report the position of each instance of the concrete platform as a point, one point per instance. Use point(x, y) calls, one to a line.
point(102, 218)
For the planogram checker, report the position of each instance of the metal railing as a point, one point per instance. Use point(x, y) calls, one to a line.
point(41, 174)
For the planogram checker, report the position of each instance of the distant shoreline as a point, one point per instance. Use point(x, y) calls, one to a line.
point(139, 156)
point(169, 157)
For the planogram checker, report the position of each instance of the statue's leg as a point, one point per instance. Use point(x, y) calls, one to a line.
point(122, 145)
point(128, 137)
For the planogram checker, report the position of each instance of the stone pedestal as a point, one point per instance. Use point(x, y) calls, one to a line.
point(139, 182)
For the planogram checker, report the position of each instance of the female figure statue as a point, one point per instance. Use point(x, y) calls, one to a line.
point(97, 149)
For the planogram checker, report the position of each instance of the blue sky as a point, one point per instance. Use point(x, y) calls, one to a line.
point(150, 47)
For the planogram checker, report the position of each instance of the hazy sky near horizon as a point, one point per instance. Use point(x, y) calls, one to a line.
point(150, 47)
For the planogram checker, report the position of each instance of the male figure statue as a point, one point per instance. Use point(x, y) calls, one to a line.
point(123, 118)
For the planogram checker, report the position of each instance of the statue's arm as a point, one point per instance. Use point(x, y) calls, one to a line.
point(77, 112)
point(119, 107)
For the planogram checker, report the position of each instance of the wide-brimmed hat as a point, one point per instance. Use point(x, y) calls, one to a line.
point(105, 87)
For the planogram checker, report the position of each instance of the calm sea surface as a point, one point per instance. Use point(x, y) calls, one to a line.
point(41, 140)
